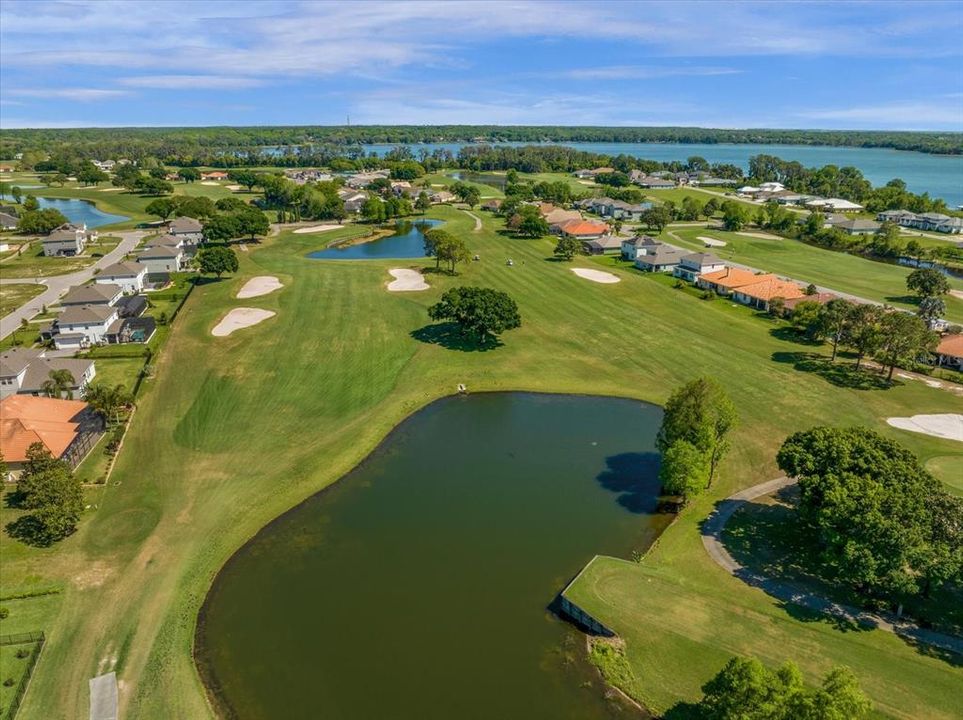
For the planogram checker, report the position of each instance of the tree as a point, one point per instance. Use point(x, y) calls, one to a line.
point(806, 318)
point(692, 209)
point(733, 216)
point(230, 204)
point(931, 308)
point(217, 260)
point(48, 488)
point(746, 690)
point(862, 331)
point(373, 210)
point(221, 228)
point(471, 197)
point(657, 217)
point(125, 176)
point(252, 222)
point(161, 207)
point(885, 526)
point(247, 178)
point(832, 322)
point(480, 312)
point(700, 413)
point(108, 401)
point(31, 203)
point(17, 193)
point(452, 250)
point(40, 222)
point(567, 248)
point(152, 186)
point(927, 282)
point(90, 174)
point(423, 203)
point(904, 338)
point(683, 470)
point(189, 174)
point(58, 384)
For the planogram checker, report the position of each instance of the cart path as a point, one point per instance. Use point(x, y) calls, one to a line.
point(714, 526)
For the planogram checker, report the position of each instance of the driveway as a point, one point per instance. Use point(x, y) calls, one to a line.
point(59, 284)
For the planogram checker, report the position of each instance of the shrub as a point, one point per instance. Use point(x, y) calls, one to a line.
point(22, 653)
point(4, 613)
point(8, 682)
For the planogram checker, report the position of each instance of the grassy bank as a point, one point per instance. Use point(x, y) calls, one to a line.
point(233, 431)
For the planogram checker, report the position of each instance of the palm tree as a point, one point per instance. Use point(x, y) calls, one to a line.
point(108, 401)
point(60, 383)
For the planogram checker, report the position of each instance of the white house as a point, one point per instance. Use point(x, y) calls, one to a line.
point(80, 326)
point(833, 205)
point(65, 240)
point(162, 259)
point(189, 230)
point(693, 265)
point(96, 294)
point(639, 245)
point(662, 259)
point(771, 187)
point(130, 276)
point(24, 371)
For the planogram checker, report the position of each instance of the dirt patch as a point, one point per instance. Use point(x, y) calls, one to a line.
point(316, 229)
point(406, 280)
point(240, 318)
point(948, 426)
point(260, 285)
point(92, 576)
point(599, 276)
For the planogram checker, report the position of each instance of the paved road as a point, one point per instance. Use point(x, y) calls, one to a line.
point(712, 530)
point(721, 251)
point(57, 285)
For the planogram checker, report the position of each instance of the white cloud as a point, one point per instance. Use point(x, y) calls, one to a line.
point(904, 115)
point(645, 72)
point(190, 82)
point(75, 94)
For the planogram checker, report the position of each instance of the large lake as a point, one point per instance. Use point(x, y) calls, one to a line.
point(81, 211)
point(939, 175)
point(408, 241)
point(418, 586)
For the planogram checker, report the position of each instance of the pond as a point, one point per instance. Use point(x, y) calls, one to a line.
point(418, 586)
point(408, 241)
point(81, 211)
point(495, 181)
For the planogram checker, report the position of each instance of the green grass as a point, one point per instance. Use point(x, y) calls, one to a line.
point(233, 431)
point(32, 263)
point(12, 669)
point(847, 273)
point(15, 295)
point(949, 469)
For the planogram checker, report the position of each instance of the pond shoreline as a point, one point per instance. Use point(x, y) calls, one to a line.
point(214, 691)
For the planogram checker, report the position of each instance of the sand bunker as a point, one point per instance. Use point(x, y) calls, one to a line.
point(711, 242)
point(316, 229)
point(111, 189)
point(260, 285)
point(948, 425)
point(240, 318)
point(406, 280)
point(957, 293)
point(763, 236)
point(210, 182)
point(233, 187)
point(598, 276)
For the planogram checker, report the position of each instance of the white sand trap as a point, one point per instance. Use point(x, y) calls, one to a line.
point(210, 182)
point(599, 276)
point(316, 229)
point(948, 425)
point(711, 242)
point(957, 293)
point(240, 318)
point(233, 187)
point(260, 285)
point(763, 236)
point(111, 189)
point(406, 280)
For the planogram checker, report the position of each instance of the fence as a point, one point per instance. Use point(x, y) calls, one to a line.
point(37, 638)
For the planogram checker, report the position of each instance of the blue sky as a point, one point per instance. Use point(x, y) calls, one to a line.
point(872, 65)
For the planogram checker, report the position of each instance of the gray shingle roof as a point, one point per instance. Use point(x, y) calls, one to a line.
point(85, 314)
point(99, 294)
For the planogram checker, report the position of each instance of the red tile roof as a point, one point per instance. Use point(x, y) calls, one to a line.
point(951, 345)
point(25, 420)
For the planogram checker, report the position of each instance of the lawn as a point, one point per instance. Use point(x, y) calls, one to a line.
point(847, 273)
point(15, 295)
point(233, 431)
point(32, 263)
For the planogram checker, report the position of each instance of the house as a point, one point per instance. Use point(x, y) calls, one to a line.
point(662, 259)
point(639, 245)
point(619, 210)
point(96, 294)
point(80, 326)
point(607, 244)
point(131, 329)
point(833, 205)
point(581, 229)
point(363, 179)
point(558, 216)
point(69, 429)
point(655, 183)
point(214, 175)
point(771, 187)
point(925, 221)
point(8, 222)
point(441, 197)
point(104, 165)
point(584, 174)
point(25, 370)
point(491, 205)
point(858, 227)
point(950, 351)
point(66, 240)
point(700, 181)
point(188, 229)
point(129, 275)
point(747, 190)
point(693, 265)
point(352, 199)
point(761, 293)
point(162, 259)
point(726, 280)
